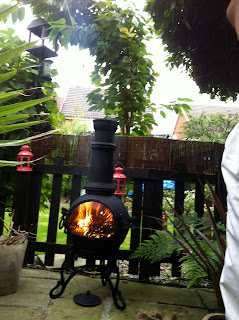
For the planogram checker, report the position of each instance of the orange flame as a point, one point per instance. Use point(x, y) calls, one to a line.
point(92, 219)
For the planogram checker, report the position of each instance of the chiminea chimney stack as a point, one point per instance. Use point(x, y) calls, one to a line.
point(102, 158)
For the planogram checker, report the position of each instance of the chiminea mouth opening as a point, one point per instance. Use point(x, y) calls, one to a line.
point(97, 224)
point(92, 219)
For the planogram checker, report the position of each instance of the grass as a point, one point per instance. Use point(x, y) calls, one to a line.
point(61, 236)
point(42, 229)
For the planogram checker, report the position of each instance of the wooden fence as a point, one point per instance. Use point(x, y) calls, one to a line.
point(146, 203)
point(137, 152)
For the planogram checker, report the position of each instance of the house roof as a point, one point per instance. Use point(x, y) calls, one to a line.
point(197, 110)
point(76, 106)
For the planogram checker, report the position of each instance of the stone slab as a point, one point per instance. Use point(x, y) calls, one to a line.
point(160, 294)
point(39, 273)
point(18, 313)
point(208, 298)
point(183, 313)
point(32, 301)
point(31, 292)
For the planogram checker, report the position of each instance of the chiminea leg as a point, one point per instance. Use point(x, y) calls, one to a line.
point(116, 294)
point(61, 284)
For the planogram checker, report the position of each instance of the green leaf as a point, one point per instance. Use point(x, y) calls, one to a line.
point(5, 12)
point(14, 17)
point(13, 119)
point(9, 54)
point(185, 99)
point(5, 163)
point(123, 36)
point(163, 114)
point(20, 142)
point(9, 109)
point(12, 127)
point(61, 21)
point(7, 96)
point(185, 107)
point(5, 76)
point(21, 13)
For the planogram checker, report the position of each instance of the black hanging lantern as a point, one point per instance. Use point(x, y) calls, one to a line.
point(41, 29)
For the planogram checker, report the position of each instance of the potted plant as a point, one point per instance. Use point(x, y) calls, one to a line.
point(12, 253)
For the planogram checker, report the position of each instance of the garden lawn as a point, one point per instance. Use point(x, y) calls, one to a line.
point(61, 236)
point(42, 229)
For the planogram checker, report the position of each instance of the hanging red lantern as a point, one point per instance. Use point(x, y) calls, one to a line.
point(120, 179)
point(26, 157)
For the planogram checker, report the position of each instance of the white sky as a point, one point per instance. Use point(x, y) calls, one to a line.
point(75, 66)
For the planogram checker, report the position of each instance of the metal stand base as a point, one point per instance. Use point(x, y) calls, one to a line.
point(87, 299)
point(104, 272)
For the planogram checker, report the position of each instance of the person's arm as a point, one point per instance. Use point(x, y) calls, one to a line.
point(233, 15)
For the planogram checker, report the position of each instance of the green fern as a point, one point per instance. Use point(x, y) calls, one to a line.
point(192, 272)
point(158, 247)
point(201, 262)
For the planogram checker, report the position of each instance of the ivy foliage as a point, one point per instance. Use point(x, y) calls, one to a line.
point(210, 127)
point(197, 35)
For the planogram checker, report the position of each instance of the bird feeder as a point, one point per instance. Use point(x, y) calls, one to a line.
point(41, 29)
point(25, 157)
point(120, 179)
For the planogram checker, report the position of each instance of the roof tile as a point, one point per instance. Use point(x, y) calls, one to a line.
point(76, 106)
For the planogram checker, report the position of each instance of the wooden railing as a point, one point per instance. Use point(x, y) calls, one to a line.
point(146, 203)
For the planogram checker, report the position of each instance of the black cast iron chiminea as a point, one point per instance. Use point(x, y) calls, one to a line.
point(97, 222)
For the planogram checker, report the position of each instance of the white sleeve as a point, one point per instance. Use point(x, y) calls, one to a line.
point(229, 282)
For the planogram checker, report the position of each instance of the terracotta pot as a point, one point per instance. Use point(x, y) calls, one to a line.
point(214, 316)
point(11, 260)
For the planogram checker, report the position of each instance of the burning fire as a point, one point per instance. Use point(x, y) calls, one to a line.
point(92, 219)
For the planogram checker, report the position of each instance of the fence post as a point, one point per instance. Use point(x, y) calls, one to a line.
point(135, 232)
point(54, 209)
point(75, 193)
point(221, 191)
point(21, 200)
point(33, 211)
point(153, 195)
point(179, 207)
point(199, 199)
